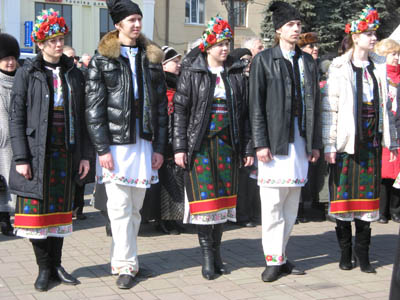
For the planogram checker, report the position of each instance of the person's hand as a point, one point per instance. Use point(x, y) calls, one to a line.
point(314, 156)
point(248, 161)
point(106, 161)
point(24, 170)
point(330, 157)
point(264, 155)
point(84, 167)
point(157, 161)
point(393, 155)
point(181, 159)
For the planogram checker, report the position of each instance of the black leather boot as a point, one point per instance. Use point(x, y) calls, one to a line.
point(361, 249)
point(206, 245)
point(344, 236)
point(57, 271)
point(42, 281)
point(5, 224)
point(218, 264)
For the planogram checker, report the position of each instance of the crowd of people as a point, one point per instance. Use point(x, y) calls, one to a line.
point(240, 137)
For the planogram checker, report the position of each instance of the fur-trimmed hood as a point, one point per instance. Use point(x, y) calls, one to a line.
point(110, 47)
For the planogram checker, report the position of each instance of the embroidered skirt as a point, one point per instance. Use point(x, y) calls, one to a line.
point(52, 216)
point(355, 180)
point(211, 185)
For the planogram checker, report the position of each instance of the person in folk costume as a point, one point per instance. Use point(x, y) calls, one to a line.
point(171, 176)
point(285, 120)
point(389, 203)
point(126, 112)
point(50, 146)
point(211, 131)
point(357, 122)
point(9, 54)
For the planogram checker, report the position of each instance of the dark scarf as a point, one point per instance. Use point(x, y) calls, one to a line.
point(297, 98)
point(12, 74)
point(171, 80)
point(359, 94)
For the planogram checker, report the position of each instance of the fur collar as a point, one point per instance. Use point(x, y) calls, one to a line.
point(346, 58)
point(109, 46)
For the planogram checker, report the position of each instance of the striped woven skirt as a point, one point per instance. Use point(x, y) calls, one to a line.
point(52, 216)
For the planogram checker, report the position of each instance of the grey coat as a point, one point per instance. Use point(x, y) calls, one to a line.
point(6, 83)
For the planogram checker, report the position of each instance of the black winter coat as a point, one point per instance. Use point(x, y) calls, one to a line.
point(271, 102)
point(110, 115)
point(30, 108)
point(192, 106)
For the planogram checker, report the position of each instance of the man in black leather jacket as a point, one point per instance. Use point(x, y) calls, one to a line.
point(126, 112)
point(285, 120)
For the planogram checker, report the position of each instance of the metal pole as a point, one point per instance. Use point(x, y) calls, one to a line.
point(231, 19)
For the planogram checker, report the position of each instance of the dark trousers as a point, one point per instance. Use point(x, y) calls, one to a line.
point(395, 285)
point(389, 203)
point(359, 224)
point(248, 205)
point(48, 251)
point(79, 201)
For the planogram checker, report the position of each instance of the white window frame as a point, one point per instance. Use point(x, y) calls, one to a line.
point(188, 19)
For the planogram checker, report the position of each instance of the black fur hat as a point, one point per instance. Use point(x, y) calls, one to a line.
point(8, 46)
point(120, 9)
point(282, 13)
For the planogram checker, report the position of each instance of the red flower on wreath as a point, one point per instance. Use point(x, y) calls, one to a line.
point(211, 39)
point(61, 22)
point(201, 46)
point(362, 26)
point(52, 20)
point(347, 28)
point(218, 28)
point(40, 35)
point(372, 16)
point(45, 27)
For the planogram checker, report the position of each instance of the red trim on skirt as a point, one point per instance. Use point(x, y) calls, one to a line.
point(42, 221)
point(212, 205)
point(344, 206)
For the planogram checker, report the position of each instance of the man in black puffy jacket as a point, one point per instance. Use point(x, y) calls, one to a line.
point(126, 112)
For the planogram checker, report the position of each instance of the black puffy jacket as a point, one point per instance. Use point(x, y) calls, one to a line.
point(29, 114)
point(110, 114)
point(193, 100)
point(271, 102)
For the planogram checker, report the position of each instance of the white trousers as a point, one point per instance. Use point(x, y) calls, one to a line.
point(279, 206)
point(123, 205)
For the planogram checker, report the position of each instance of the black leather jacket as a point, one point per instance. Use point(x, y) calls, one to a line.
point(192, 106)
point(30, 111)
point(110, 115)
point(271, 102)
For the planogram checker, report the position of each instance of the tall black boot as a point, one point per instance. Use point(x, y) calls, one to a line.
point(344, 236)
point(217, 235)
point(40, 248)
point(361, 248)
point(206, 245)
point(55, 253)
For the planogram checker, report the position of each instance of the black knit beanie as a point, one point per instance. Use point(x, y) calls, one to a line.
point(169, 54)
point(8, 46)
point(238, 53)
point(120, 9)
point(282, 13)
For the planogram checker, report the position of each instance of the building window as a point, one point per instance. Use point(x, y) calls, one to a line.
point(194, 12)
point(106, 23)
point(240, 13)
point(64, 10)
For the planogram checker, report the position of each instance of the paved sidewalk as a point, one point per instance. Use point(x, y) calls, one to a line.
point(176, 261)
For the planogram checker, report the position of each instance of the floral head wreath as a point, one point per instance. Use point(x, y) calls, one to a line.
point(217, 30)
point(48, 25)
point(368, 21)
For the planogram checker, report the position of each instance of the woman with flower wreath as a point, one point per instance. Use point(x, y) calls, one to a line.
point(50, 146)
point(211, 131)
point(357, 122)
